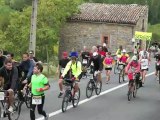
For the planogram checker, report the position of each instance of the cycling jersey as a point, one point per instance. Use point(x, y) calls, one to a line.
point(132, 67)
point(144, 64)
point(123, 58)
point(97, 63)
point(38, 81)
point(143, 54)
point(75, 68)
point(119, 51)
point(85, 57)
point(10, 77)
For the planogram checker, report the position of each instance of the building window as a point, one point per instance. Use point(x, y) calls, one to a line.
point(105, 39)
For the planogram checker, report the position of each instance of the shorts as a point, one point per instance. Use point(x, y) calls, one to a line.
point(157, 68)
point(108, 69)
point(131, 82)
point(144, 69)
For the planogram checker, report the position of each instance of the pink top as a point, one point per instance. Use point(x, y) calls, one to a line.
point(108, 60)
point(123, 59)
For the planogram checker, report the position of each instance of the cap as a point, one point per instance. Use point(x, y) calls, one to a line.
point(134, 57)
point(104, 45)
point(64, 54)
point(31, 52)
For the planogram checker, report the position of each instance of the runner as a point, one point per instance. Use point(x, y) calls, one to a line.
point(108, 61)
point(39, 84)
point(144, 59)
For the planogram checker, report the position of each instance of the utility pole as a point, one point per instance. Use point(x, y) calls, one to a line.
point(32, 43)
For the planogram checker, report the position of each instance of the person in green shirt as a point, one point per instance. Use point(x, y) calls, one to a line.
point(76, 69)
point(39, 84)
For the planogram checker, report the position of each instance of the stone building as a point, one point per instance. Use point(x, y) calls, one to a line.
point(95, 24)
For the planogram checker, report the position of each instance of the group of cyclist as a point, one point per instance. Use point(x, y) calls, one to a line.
point(99, 57)
point(16, 76)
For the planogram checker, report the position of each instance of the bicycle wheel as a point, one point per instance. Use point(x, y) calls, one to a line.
point(115, 68)
point(89, 89)
point(129, 95)
point(16, 113)
point(76, 98)
point(159, 76)
point(28, 99)
point(65, 101)
point(98, 87)
point(120, 76)
point(135, 91)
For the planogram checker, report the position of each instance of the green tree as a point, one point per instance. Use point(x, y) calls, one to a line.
point(52, 15)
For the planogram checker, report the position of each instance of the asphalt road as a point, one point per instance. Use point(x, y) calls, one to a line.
point(112, 104)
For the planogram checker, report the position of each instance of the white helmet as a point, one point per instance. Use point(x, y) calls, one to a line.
point(134, 57)
point(95, 54)
point(123, 51)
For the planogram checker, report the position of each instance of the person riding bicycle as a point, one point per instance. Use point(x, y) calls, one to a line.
point(123, 60)
point(8, 78)
point(25, 72)
point(75, 67)
point(119, 51)
point(62, 63)
point(97, 61)
point(157, 56)
point(132, 68)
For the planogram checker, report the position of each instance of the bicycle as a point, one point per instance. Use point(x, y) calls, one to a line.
point(158, 71)
point(134, 86)
point(121, 67)
point(4, 112)
point(92, 85)
point(115, 65)
point(68, 95)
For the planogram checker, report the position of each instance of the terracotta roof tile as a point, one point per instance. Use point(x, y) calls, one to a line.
point(111, 13)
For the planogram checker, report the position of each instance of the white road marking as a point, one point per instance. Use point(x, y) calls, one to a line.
point(93, 97)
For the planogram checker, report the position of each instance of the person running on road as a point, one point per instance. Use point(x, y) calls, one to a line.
point(39, 84)
point(144, 59)
point(75, 67)
point(108, 61)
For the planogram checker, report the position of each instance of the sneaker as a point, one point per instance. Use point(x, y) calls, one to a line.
point(60, 95)
point(10, 109)
point(47, 117)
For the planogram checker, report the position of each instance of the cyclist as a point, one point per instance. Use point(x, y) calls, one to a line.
point(39, 84)
point(157, 56)
point(123, 59)
point(9, 76)
point(76, 68)
point(62, 63)
point(144, 59)
point(98, 67)
point(26, 68)
point(132, 68)
point(31, 56)
point(108, 61)
point(119, 51)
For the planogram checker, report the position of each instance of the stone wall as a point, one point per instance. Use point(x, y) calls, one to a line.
point(78, 34)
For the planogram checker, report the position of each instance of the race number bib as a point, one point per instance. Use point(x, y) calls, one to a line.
point(84, 61)
point(37, 100)
point(1, 95)
point(144, 64)
point(108, 66)
point(62, 70)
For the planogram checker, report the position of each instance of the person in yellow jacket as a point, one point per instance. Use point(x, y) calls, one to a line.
point(76, 69)
point(119, 51)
